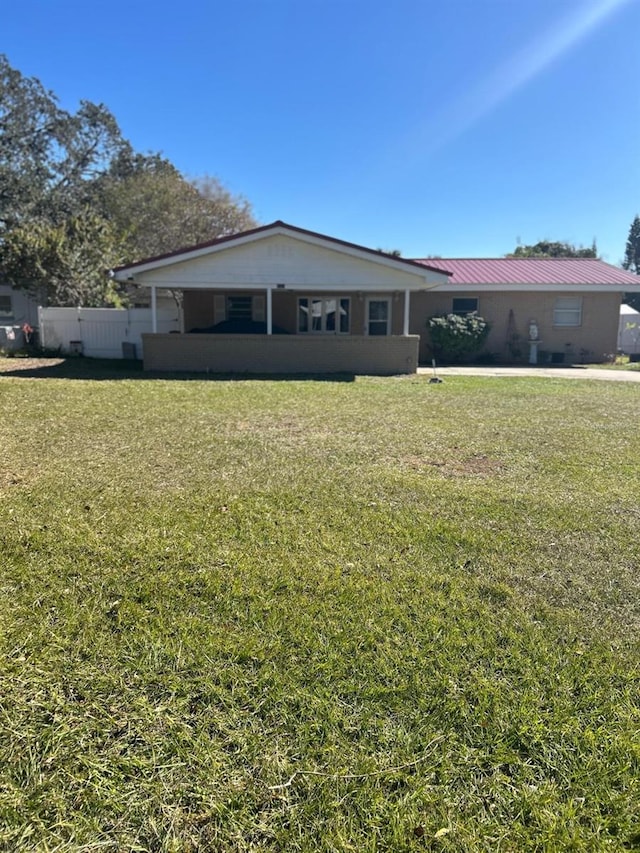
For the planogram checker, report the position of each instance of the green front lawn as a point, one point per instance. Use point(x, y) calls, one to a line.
point(377, 615)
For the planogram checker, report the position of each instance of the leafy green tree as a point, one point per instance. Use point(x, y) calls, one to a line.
point(51, 242)
point(631, 260)
point(632, 251)
point(66, 263)
point(157, 210)
point(47, 155)
point(76, 199)
point(455, 337)
point(29, 126)
point(549, 249)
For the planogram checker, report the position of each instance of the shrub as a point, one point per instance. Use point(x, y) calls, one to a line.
point(455, 337)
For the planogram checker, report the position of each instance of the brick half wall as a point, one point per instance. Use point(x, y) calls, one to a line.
point(202, 353)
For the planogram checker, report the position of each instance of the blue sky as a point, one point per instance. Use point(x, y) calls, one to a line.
point(453, 128)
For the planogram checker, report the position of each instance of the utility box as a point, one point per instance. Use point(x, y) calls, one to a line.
point(128, 350)
point(76, 347)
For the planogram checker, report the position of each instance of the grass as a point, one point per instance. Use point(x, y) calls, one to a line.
point(376, 615)
point(619, 362)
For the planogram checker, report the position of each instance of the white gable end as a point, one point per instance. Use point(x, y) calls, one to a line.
point(280, 259)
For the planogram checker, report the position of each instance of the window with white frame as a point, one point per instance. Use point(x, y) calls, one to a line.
point(6, 308)
point(324, 315)
point(568, 311)
point(464, 305)
point(378, 316)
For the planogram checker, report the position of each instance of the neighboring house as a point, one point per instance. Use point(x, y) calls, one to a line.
point(16, 310)
point(283, 299)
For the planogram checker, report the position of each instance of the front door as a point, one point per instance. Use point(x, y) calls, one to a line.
point(378, 316)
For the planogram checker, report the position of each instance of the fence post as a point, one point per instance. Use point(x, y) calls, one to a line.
point(41, 326)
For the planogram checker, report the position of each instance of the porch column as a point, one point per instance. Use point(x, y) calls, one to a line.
point(154, 310)
point(269, 313)
point(405, 325)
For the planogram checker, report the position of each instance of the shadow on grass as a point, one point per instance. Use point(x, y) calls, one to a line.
point(110, 369)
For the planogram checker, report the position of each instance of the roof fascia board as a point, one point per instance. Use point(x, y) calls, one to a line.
point(539, 288)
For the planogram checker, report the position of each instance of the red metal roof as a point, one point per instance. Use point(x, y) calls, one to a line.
point(532, 271)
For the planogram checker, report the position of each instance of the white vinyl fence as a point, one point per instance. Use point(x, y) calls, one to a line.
point(629, 330)
point(101, 332)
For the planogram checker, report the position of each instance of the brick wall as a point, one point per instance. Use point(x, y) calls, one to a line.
point(281, 354)
point(592, 340)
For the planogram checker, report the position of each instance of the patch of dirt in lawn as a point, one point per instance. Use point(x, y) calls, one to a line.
point(8, 478)
point(476, 465)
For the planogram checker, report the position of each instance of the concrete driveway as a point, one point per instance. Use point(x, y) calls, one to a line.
point(577, 372)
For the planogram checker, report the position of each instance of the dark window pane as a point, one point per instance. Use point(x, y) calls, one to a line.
point(464, 306)
point(316, 315)
point(303, 315)
point(344, 315)
point(330, 313)
point(239, 307)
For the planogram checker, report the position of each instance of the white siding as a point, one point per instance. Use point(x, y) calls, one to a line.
point(284, 260)
point(24, 309)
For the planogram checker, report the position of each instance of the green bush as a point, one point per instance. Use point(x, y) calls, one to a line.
point(455, 337)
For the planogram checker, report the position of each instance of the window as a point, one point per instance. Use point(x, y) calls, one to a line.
point(321, 315)
point(378, 315)
point(464, 306)
point(568, 311)
point(5, 305)
point(239, 308)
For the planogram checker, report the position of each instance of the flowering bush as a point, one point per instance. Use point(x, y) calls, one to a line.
point(455, 337)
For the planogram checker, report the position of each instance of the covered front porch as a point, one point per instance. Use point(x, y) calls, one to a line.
point(280, 299)
point(292, 311)
point(281, 330)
